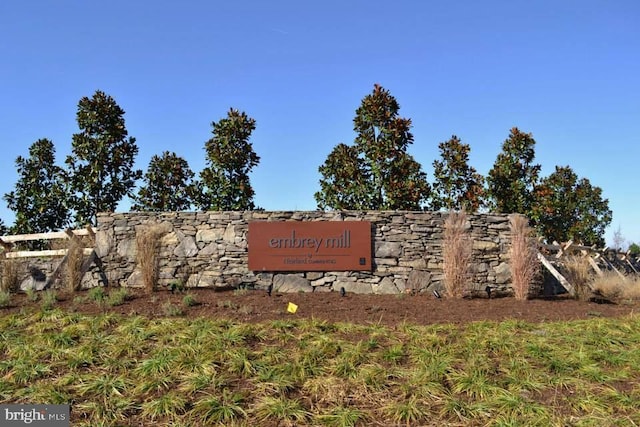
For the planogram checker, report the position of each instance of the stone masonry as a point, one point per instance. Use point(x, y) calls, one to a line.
point(209, 249)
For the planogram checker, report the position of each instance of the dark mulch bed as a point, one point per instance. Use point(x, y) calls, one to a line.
point(257, 306)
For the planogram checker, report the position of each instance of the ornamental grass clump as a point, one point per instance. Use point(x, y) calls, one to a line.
point(525, 265)
point(456, 252)
point(118, 297)
point(147, 242)
point(577, 271)
point(611, 286)
point(9, 281)
point(5, 299)
point(73, 267)
point(49, 299)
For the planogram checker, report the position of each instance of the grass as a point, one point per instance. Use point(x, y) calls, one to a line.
point(171, 309)
point(49, 299)
point(117, 370)
point(97, 295)
point(147, 243)
point(457, 254)
point(9, 278)
point(32, 295)
point(525, 266)
point(189, 300)
point(612, 287)
point(578, 272)
point(5, 298)
point(73, 267)
point(118, 297)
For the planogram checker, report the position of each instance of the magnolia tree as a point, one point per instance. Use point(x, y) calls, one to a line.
point(514, 175)
point(457, 186)
point(40, 198)
point(570, 208)
point(101, 166)
point(376, 172)
point(168, 185)
point(224, 183)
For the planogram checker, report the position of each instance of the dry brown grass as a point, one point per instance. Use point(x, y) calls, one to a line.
point(9, 281)
point(73, 268)
point(525, 266)
point(457, 253)
point(578, 272)
point(147, 242)
point(612, 287)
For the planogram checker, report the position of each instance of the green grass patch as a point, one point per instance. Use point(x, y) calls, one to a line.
point(118, 297)
point(175, 371)
point(49, 299)
point(5, 298)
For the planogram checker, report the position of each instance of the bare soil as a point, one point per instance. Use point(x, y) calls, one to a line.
point(258, 306)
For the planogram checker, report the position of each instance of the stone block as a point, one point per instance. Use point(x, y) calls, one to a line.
point(388, 250)
point(289, 283)
point(352, 287)
point(418, 280)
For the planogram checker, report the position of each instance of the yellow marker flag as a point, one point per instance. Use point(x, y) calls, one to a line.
point(292, 308)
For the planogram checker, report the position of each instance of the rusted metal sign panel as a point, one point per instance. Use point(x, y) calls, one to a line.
point(310, 246)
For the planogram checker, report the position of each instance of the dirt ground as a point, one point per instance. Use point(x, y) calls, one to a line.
point(257, 306)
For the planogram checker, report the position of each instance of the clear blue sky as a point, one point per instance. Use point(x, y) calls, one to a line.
point(567, 71)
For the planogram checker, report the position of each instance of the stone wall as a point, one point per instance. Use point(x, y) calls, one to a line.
point(209, 249)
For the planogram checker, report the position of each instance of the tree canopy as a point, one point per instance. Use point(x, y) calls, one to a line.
point(568, 208)
point(377, 172)
point(225, 182)
point(167, 185)
point(40, 197)
point(457, 186)
point(101, 167)
point(345, 183)
point(511, 181)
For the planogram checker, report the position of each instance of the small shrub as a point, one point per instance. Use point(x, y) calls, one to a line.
point(227, 304)
point(170, 309)
point(32, 295)
point(49, 299)
point(117, 297)
point(5, 298)
point(456, 253)
point(189, 300)
point(525, 265)
point(241, 292)
point(176, 287)
point(246, 310)
point(97, 294)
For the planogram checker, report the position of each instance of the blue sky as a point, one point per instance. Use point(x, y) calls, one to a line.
point(566, 71)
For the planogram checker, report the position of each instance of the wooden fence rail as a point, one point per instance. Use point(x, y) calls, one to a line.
point(8, 243)
point(552, 256)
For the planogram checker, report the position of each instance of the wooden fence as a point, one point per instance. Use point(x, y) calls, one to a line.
point(8, 244)
point(554, 256)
